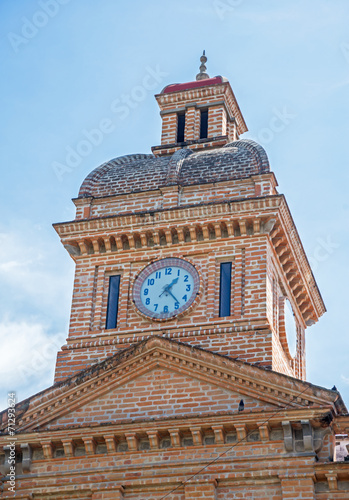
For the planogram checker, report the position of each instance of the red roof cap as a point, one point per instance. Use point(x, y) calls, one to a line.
point(177, 87)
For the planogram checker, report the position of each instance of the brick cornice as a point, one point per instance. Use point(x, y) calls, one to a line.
point(342, 425)
point(210, 143)
point(296, 265)
point(129, 336)
point(142, 219)
point(228, 420)
point(342, 468)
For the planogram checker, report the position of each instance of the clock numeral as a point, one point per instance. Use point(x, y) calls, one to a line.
point(156, 306)
point(187, 289)
point(168, 270)
point(185, 298)
point(158, 274)
point(165, 309)
point(146, 291)
point(176, 305)
point(151, 281)
point(186, 277)
point(147, 301)
point(178, 272)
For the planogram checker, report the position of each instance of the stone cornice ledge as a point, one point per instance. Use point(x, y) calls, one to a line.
point(230, 420)
point(142, 219)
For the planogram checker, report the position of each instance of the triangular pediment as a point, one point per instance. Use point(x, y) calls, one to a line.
point(161, 379)
point(160, 391)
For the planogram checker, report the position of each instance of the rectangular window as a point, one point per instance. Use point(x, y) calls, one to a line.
point(203, 123)
point(113, 301)
point(225, 289)
point(180, 127)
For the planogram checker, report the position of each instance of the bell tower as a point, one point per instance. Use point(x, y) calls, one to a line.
point(182, 376)
point(200, 114)
point(192, 242)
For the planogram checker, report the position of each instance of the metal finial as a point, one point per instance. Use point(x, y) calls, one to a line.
point(202, 75)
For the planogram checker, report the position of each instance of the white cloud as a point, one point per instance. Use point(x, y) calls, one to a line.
point(30, 358)
point(35, 297)
point(33, 271)
point(12, 266)
point(345, 379)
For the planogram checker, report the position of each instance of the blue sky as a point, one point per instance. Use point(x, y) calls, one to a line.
point(66, 67)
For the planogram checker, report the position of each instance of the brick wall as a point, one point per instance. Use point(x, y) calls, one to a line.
point(158, 394)
point(255, 300)
point(207, 207)
point(251, 472)
point(252, 491)
point(250, 346)
point(177, 196)
point(201, 326)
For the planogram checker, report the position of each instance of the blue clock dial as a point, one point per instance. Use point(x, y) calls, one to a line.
point(166, 288)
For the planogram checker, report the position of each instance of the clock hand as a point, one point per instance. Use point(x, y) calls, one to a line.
point(173, 283)
point(173, 296)
point(166, 288)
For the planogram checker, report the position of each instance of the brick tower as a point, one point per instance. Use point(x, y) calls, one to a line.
point(208, 198)
point(183, 374)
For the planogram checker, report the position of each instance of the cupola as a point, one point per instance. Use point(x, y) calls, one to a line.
point(202, 114)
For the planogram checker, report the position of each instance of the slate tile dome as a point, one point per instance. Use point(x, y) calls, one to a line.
point(144, 172)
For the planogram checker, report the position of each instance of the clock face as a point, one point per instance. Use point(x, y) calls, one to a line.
point(166, 288)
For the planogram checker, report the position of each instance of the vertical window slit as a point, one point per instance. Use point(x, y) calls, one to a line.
point(225, 290)
point(203, 123)
point(180, 127)
point(113, 302)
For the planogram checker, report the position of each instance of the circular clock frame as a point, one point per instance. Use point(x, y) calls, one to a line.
point(160, 266)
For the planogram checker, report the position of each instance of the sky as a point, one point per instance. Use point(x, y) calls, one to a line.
point(67, 66)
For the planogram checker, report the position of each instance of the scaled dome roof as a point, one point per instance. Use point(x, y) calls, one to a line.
point(144, 172)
